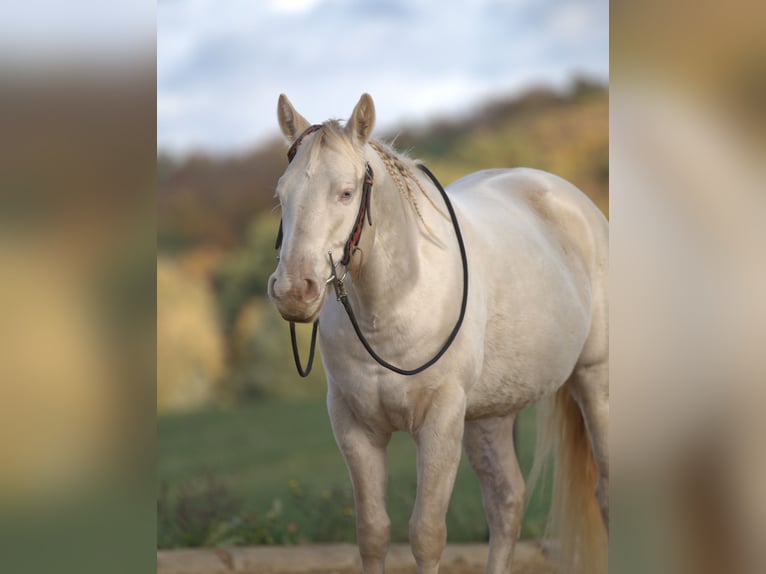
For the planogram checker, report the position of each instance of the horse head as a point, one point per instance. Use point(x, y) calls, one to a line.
point(321, 195)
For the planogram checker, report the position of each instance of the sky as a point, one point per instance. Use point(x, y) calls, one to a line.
point(221, 64)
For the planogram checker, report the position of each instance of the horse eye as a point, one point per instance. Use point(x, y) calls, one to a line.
point(346, 194)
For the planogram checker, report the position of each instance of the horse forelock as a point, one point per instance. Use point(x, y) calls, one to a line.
point(332, 135)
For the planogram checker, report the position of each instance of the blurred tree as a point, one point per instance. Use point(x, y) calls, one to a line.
point(244, 274)
point(210, 201)
point(264, 364)
point(190, 350)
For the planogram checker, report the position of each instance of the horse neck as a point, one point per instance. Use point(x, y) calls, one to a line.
point(394, 246)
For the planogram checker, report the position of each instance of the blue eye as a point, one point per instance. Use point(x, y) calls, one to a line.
point(346, 195)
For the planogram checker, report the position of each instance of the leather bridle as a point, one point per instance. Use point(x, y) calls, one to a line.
point(351, 246)
point(352, 243)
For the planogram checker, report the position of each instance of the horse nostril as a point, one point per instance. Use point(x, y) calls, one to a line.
point(310, 290)
point(272, 287)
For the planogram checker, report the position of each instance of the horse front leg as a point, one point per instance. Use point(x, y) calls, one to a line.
point(438, 443)
point(365, 454)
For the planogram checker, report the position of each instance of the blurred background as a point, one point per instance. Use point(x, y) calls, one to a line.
point(245, 450)
point(83, 106)
point(77, 286)
point(687, 278)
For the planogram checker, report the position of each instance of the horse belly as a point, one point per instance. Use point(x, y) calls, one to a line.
point(517, 373)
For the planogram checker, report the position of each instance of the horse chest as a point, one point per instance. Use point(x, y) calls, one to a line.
point(384, 403)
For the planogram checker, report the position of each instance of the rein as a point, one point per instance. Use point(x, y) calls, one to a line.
point(349, 249)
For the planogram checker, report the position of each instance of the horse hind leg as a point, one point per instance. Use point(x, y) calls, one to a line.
point(489, 446)
point(590, 389)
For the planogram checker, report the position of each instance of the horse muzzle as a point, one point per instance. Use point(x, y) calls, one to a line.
point(297, 299)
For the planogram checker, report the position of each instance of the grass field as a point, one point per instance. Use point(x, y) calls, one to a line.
point(283, 451)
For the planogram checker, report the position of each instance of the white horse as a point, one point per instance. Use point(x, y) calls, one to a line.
point(536, 327)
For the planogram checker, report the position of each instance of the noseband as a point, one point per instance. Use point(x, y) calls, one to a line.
point(349, 249)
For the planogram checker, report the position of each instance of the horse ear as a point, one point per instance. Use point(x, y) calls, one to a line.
point(359, 126)
point(291, 122)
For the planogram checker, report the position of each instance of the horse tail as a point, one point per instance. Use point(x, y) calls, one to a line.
point(574, 521)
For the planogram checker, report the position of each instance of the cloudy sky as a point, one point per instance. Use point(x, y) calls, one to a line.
point(221, 64)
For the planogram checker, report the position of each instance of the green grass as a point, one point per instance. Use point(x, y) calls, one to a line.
point(256, 450)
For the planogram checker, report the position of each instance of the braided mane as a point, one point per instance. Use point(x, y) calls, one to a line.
point(402, 175)
point(399, 167)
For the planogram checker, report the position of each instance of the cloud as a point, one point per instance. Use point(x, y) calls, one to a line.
point(221, 66)
point(293, 6)
point(49, 30)
point(573, 21)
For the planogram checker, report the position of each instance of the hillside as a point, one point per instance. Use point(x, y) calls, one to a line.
point(564, 133)
point(205, 201)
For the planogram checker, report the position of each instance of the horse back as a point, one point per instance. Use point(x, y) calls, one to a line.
point(519, 202)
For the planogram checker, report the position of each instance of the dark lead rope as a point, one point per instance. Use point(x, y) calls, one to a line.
point(463, 304)
point(296, 356)
point(343, 298)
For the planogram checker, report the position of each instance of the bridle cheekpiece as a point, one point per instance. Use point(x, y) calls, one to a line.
point(352, 243)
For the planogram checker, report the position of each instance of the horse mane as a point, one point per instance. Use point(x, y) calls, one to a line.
point(398, 165)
